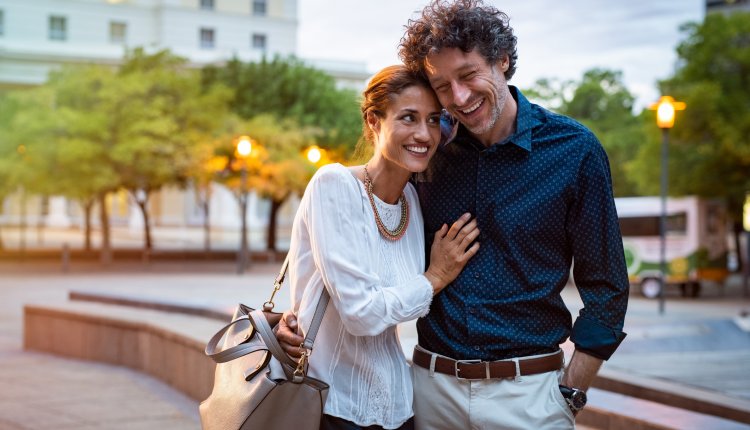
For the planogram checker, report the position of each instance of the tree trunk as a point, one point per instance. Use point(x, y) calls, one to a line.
point(272, 218)
point(737, 231)
point(88, 206)
point(204, 199)
point(106, 251)
point(146, 225)
point(142, 203)
point(2, 200)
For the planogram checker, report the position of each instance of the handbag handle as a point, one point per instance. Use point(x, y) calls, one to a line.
point(235, 351)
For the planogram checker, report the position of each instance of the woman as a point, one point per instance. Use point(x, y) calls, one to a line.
point(359, 233)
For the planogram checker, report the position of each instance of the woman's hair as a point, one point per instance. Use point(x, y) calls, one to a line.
point(378, 96)
point(462, 24)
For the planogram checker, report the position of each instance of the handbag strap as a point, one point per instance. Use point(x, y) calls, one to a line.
point(236, 351)
point(265, 331)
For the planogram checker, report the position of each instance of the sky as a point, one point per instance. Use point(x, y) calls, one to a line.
point(556, 38)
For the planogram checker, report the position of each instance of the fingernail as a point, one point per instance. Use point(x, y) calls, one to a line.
point(467, 215)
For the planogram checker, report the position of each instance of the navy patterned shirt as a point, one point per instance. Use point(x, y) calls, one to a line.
point(542, 199)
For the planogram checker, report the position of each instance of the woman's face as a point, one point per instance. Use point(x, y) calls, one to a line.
point(408, 135)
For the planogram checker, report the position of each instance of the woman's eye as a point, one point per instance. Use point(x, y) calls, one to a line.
point(408, 118)
point(434, 119)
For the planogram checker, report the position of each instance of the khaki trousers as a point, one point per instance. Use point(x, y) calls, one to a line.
point(533, 402)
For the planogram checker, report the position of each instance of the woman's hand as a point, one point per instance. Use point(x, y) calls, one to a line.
point(286, 334)
point(450, 251)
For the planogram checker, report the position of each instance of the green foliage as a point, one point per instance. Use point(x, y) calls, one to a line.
point(710, 143)
point(290, 90)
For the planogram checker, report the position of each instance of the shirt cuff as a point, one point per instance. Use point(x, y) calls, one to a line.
point(425, 292)
point(596, 339)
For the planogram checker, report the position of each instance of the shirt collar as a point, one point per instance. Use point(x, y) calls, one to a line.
point(525, 120)
point(525, 123)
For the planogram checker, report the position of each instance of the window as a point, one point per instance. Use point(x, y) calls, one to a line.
point(259, 41)
point(259, 7)
point(117, 32)
point(207, 38)
point(2, 23)
point(650, 225)
point(207, 4)
point(58, 29)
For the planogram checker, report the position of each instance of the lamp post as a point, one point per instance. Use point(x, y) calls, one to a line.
point(244, 148)
point(746, 261)
point(665, 109)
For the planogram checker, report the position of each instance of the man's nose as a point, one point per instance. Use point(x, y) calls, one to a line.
point(461, 94)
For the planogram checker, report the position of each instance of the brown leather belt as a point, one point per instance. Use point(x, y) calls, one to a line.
point(476, 369)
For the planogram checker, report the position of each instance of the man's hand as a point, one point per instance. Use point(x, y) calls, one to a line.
point(286, 334)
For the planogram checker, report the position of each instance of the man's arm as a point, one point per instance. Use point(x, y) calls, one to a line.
point(581, 370)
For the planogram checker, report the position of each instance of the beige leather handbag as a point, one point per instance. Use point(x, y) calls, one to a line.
point(256, 385)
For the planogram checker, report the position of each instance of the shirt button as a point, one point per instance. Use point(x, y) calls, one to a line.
point(477, 276)
point(476, 348)
point(472, 311)
point(481, 196)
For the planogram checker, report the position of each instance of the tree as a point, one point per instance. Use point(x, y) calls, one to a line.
point(290, 90)
point(710, 143)
point(165, 114)
point(276, 168)
point(286, 171)
point(28, 127)
point(78, 151)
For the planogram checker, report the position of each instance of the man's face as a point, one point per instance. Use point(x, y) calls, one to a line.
point(472, 91)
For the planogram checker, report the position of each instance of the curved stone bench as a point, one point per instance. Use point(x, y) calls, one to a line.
point(167, 346)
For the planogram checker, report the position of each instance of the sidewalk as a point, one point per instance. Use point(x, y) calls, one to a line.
point(696, 343)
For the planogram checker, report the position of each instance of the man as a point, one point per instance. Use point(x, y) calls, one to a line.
point(540, 188)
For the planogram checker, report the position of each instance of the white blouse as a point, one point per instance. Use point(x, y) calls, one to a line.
point(374, 284)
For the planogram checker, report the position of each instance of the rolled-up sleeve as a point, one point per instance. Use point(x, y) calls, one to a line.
point(345, 260)
point(599, 266)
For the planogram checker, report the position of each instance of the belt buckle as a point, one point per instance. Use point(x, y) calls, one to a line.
point(475, 361)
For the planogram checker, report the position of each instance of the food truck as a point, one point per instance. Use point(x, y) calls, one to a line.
point(696, 242)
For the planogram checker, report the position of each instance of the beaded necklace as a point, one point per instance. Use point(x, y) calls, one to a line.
point(398, 233)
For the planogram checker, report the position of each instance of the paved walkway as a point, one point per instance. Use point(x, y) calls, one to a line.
point(697, 342)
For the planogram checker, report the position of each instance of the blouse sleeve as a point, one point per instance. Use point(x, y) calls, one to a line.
point(341, 253)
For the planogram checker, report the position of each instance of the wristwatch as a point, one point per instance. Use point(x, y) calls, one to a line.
point(576, 398)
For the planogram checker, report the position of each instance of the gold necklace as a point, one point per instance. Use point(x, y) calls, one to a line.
point(400, 230)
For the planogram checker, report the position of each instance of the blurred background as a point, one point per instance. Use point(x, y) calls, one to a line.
point(121, 119)
point(151, 150)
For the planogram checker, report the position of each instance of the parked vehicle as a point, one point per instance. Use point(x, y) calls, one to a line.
point(696, 242)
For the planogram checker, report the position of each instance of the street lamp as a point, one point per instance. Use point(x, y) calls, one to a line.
point(665, 109)
point(314, 154)
point(244, 148)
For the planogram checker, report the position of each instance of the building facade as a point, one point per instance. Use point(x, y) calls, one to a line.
point(727, 6)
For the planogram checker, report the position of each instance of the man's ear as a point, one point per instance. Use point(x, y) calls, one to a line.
point(373, 122)
point(503, 63)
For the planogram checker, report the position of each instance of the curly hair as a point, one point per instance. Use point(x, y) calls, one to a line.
point(463, 24)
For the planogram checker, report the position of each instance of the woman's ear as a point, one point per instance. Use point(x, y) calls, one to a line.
point(373, 122)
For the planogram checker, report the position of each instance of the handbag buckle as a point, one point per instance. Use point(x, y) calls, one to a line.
point(299, 372)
